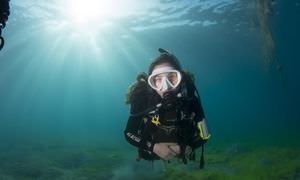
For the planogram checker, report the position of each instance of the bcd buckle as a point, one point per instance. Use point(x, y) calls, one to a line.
point(155, 120)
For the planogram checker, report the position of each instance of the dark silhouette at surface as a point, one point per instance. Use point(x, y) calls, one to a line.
point(4, 13)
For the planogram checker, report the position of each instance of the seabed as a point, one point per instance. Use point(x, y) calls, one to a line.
point(227, 161)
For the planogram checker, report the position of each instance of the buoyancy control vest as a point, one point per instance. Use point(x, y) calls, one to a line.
point(173, 120)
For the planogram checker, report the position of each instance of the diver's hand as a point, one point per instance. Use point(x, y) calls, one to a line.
point(175, 148)
point(166, 151)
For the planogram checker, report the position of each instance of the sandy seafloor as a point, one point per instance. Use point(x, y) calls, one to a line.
point(78, 161)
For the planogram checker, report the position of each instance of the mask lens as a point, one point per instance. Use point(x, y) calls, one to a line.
point(172, 78)
point(157, 80)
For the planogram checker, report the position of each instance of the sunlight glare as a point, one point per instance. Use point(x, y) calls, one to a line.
point(84, 11)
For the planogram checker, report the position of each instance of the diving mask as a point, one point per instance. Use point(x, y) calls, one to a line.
point(164, 78)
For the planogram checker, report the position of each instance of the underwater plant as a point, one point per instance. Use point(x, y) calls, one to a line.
point(264, 9)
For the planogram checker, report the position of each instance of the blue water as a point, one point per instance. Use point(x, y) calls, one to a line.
point(63, 83)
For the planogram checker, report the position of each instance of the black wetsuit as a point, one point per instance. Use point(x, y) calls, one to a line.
point(135, 121)
point(4, 11)
point(139, 129)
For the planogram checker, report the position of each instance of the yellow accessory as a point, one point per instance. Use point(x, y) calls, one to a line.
point(155, 120)
point(204, 133)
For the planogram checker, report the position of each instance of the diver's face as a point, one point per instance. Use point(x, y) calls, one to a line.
point(160, 78)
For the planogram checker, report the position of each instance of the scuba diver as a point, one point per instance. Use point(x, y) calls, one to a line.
point(167, 119)
point(4, 13)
